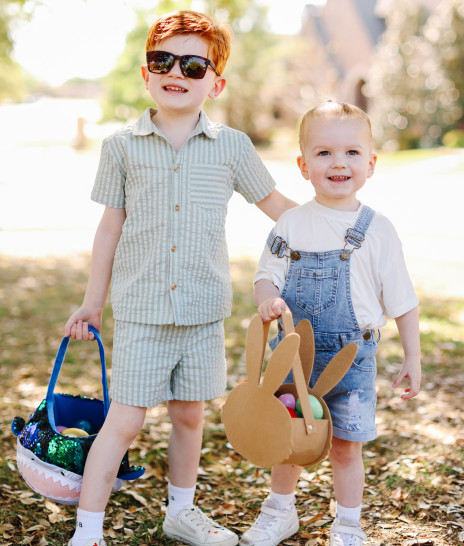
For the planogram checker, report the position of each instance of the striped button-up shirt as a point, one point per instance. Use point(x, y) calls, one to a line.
point(171, 264)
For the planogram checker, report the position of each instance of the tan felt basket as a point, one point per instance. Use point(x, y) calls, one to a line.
point(257, 424)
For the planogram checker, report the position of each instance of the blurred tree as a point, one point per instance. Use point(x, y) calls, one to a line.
point(413, 83)
point(399, 99)
point(251, 68)
point(445, 31)
point(247, 71)
point(11, 78)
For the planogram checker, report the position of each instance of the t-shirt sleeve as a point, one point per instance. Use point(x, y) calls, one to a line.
point(109, 186)
point(251, 178)
point(398, 295)
point(270, 266)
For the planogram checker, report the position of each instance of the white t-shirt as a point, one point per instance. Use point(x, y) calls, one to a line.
point(380, 283)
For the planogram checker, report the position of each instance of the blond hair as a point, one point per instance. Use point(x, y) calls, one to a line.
point(187, 22)
point(330, 109)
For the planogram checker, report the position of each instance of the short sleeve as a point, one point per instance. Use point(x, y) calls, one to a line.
point(111, 175)
point(398, 295)
point(270, 266)
point(251, 177)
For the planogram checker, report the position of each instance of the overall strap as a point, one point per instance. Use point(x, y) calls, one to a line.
point(355, 235)
point(279, 246)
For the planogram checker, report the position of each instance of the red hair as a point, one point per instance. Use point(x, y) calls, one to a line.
point(191, 22)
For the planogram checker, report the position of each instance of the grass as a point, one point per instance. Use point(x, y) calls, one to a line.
point(408, 156)
point(414, 469)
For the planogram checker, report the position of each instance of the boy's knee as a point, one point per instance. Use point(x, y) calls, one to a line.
point(125, 421)
point(186, 414)
point(344, 452)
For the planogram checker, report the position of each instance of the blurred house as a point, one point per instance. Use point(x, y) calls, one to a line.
point(344, 35)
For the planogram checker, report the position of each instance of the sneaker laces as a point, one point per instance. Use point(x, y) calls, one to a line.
point(268, 515)
point(349, 534)
point(263, 521)
point(201, 520)
point(350, 538)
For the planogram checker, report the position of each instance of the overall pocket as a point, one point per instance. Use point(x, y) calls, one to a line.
point(316, 289)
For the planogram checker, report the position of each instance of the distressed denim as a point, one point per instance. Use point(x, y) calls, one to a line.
point(317, 288)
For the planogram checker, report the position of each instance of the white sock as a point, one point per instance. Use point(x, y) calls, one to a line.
point(351, 514)
point(179, 498)
point(89, 525)
point(283, 501)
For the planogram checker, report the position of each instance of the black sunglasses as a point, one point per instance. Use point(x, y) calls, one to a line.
point(191, 66)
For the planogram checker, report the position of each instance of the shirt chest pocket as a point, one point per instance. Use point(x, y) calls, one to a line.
point(209, 185)
point(316, 289)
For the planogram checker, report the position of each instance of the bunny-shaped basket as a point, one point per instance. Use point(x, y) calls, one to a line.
point(257, 424)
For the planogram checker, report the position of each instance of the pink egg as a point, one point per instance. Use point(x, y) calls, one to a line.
point(288, 400)
point(60, 428)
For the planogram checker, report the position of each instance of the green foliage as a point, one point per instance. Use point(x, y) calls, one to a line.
point(11, 75)
point(125, 92)
point(249, 69)
point(454, 139)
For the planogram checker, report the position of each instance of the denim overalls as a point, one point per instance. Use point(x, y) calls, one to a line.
point(317, 288)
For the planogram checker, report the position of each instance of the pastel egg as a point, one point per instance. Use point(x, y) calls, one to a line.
point(316, 407)
point(74, 432)
point(83, 425)
point(288, 400)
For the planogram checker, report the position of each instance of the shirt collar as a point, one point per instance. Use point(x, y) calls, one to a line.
point(144, 126)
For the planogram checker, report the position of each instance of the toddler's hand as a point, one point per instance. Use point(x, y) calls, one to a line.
point(272, 309)
point(411, 371)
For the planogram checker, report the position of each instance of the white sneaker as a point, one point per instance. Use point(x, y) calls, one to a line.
point(344, 533)
point(93, 542)
point(193, 527)
point(271, 526)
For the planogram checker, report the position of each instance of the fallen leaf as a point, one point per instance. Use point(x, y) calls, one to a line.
point(136, 496)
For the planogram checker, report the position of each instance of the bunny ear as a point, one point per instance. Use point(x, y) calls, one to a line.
point(280, 362)
point(255, 346)
point(335, 369)
point(307, 348)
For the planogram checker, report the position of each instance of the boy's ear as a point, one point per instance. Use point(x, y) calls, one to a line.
point(371, 168)
point(145, 75)
point(218, 87)
point(303, 167)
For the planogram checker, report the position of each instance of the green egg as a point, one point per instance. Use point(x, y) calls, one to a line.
point(316, 407)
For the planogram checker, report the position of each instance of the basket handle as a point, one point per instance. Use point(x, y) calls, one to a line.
point(299, 378)
point(59, 361)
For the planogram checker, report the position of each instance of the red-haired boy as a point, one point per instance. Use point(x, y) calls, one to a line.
point(165, 183)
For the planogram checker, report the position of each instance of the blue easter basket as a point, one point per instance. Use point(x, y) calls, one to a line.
point(52, 463)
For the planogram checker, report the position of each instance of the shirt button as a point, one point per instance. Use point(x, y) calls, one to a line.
point(173, 248)
point(176, 208)
point(174, 286)
point(367, 335)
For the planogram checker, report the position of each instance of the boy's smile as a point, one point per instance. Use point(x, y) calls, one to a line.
point(337, 159)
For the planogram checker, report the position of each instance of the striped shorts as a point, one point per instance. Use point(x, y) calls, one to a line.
point(157, 362)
